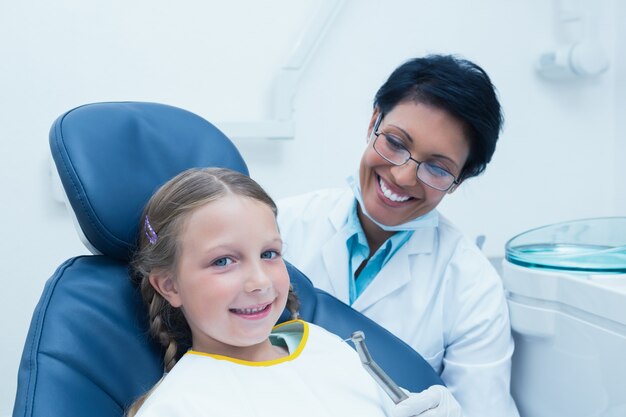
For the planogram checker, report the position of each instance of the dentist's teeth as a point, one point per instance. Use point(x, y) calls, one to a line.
point(387, 192)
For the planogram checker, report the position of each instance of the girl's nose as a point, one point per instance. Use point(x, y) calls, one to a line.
point(257, 280)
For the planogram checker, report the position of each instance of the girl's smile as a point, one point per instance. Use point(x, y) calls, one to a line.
point(253, 313)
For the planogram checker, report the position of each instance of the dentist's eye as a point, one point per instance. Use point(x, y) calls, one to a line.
point(436, 171)
point(269, 254)
point(393, 142)
point(222, 262)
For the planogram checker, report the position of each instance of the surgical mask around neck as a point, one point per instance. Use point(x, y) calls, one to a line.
point(430, 219)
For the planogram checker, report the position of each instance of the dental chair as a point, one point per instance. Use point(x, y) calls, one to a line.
point(88, 352)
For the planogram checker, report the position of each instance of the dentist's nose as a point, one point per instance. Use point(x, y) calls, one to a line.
point(405, 175)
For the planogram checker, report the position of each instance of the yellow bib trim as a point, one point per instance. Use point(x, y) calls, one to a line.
point(295, 324)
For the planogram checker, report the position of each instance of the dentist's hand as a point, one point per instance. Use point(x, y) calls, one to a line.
point(436, 401)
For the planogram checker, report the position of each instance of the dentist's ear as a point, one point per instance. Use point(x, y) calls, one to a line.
point(454, 187)
point(458, 182)
point(164, 284)
point(375, 120)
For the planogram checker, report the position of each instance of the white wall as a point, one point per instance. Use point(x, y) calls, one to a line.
point(560, 155)
point(620, 108)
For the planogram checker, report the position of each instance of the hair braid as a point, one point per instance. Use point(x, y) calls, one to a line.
point(293, 303)
point(158, 312)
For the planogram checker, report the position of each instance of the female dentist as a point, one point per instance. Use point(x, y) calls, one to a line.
point(381, 246)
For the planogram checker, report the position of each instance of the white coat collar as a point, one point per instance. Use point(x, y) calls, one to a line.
point(338, 215)
point(394, 275)
point(397, 272)
point(335, 251)
point(422, 241)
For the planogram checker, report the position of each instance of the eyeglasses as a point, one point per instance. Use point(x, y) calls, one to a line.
point(392, 149)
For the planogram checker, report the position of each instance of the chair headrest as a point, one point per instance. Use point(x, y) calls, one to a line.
point(111, 157)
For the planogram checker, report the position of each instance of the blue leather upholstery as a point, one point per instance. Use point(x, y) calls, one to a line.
point(111, 157)
point(87, 352)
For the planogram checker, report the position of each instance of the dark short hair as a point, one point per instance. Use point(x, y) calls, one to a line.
point(457, 86)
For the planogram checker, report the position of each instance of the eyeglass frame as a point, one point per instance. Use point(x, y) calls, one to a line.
point(376, 133)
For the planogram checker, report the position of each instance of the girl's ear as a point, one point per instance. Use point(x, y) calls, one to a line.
point(165, 284)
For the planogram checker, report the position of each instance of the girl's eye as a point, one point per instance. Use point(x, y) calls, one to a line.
point(222, 262)
point(269, 254)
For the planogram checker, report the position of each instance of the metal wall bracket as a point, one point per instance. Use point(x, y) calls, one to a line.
point(281, 126)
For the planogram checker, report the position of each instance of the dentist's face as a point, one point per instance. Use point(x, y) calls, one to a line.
point(392, 194)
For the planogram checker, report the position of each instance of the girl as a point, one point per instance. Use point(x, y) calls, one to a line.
point(210, 270)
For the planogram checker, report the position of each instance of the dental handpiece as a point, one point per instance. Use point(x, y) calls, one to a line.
point(386, 383)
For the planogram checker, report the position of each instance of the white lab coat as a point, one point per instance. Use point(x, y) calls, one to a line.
point(438, 293)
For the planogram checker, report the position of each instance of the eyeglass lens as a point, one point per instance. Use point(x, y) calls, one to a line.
point(392, 149)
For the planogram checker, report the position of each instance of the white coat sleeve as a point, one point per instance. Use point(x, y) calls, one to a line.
point(479, 345)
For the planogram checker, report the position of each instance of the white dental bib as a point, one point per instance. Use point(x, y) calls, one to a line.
point(322, 377)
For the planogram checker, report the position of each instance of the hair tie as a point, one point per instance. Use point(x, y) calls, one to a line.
point(150, 233)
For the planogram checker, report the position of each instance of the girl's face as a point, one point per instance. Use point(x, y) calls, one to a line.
point(431, 135)
point(231, 281)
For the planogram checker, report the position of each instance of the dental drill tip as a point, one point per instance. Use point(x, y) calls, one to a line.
point(358, 336)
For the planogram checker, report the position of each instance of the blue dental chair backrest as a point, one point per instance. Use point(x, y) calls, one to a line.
point(88, 352)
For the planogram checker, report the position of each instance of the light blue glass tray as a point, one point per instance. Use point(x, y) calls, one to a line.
point(590, 245)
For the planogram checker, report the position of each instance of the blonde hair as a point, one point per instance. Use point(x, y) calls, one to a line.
point(158, 250)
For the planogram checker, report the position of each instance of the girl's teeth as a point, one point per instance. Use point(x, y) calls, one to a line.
point(249, 310)
point(393, 197)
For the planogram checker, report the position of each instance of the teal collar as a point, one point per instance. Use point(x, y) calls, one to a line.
point(359, 252)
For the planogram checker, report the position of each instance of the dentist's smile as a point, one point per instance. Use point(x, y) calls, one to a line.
point(389, 196)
